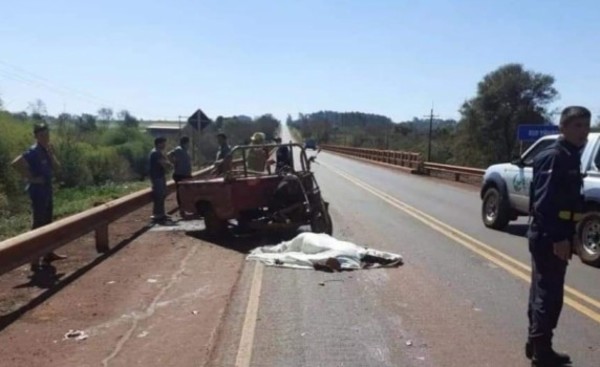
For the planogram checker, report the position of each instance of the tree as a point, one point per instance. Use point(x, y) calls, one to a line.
point(506, 97)
point(105, 114)
point(37, 107)
point(1, 104)
point(86, 122)
point(128, 119)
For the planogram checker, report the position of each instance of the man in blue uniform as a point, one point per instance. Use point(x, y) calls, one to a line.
point(284, 158)
point(36, 166)
point(556, 203)
point(158, 166)
point(180, 158)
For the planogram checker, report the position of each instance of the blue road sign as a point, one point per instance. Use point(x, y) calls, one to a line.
point(534, 132)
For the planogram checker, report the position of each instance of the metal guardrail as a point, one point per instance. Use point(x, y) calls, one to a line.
point(28, 246)
point(457, 171)
point(407, 159)
point(393, 157)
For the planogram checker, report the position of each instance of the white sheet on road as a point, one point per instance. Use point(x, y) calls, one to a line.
point(308, 249)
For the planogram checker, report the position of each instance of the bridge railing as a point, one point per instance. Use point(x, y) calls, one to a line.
point(393, 157)
point(28, 246)
point(411, 160)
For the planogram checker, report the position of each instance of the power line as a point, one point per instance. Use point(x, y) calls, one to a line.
point(37, 80)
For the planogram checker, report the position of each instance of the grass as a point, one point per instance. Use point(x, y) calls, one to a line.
point(67, 202)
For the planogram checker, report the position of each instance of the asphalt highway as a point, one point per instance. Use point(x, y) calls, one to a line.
point(459, 300)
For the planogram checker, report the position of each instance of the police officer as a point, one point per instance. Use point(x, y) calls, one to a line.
point(36, 166)
point(180, 158)
point(284, 158)
point(224, 148)
point(556, 203)
point(158, 166)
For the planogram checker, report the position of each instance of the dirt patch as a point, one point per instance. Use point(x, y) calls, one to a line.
point(156, 300)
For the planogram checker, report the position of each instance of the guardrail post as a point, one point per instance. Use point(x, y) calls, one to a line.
point(102, 239)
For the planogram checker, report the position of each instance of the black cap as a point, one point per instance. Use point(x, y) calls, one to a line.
point(574, 112)
point(222, 135)
point(39, 127)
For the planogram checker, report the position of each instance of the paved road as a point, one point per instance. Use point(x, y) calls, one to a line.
point(459, 300)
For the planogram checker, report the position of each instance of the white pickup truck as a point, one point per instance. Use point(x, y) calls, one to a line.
point(505, 193)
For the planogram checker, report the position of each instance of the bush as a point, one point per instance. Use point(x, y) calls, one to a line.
point(74, 170)
point(106, 165)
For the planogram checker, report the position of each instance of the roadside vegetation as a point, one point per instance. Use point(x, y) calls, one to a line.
point(103, 157)
point(486, 132)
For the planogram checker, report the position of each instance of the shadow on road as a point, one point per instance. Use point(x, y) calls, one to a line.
point(44, 278)
point(48, 279)
point(517, 229)
point(246, 242)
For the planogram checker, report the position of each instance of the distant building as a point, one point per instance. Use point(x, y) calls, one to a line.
point(168, 130)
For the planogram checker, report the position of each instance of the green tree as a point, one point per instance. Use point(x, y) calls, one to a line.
point(128, 119)
point(105, 115)
point(37, 107)
point(86, 122)
point(505, 98)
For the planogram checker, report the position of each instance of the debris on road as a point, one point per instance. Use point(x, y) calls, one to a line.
point(194, 312)
point(409, 343)
point(76, 335)
point(320, 251)
point(152, 280)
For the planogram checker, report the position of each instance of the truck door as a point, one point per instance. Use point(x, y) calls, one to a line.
point(519, 177)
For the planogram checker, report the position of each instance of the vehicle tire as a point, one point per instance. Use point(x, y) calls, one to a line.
point(321, 220)
point(588, 231)
point(215, 226)
point(495, 211)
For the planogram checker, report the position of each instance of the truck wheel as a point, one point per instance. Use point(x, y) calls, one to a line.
point(495, 211)
point(321, 220)
point(589, 237)
point(215, 226)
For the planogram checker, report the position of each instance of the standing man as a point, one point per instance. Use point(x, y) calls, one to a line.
point(224, 148)
point(180, 159)
point(555, 204)
point(158, 166)
point(284, 158)
point(36, 166)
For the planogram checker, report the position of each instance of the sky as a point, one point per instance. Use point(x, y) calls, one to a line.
point(164, 59)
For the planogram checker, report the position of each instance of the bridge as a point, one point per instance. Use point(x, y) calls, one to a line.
point(137, 295)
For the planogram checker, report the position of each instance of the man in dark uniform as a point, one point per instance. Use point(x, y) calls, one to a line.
point(284, 158)
point(158, 166)
point(180, 158)
point(36, 165)
point(556, 203)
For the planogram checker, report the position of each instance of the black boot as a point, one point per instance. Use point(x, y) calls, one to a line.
point(540, 351)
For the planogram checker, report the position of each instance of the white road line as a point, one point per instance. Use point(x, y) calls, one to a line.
point(244, 355)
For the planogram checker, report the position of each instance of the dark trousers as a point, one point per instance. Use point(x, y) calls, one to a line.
point(159, 194)
point(41, 207)
point(177, 179)
point(547, 288)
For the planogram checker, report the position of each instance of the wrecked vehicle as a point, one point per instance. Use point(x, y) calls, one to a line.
point(246, 193)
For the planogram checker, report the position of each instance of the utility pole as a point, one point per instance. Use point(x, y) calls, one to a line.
point(431, 116)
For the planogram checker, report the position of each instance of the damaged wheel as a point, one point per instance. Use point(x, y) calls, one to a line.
point(215, 226)
point(321, 220)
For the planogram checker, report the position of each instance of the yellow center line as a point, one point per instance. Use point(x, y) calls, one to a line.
point(504, 261)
